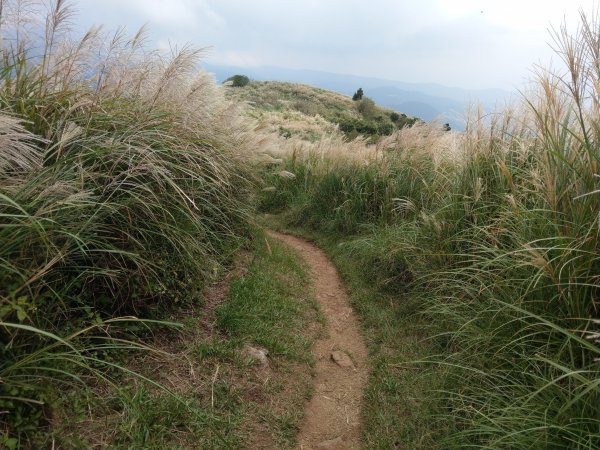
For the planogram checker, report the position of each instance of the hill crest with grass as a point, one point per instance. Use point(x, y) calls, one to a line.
point(300, 110)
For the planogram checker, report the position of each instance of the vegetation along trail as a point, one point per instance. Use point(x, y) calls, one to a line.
point(332, 417)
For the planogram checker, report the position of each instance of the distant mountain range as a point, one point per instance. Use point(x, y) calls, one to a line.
point(427, 101)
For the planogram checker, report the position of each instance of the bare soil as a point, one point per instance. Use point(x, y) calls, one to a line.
point(332, 416)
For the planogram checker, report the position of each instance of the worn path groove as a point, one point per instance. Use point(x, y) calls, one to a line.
point(332, 416)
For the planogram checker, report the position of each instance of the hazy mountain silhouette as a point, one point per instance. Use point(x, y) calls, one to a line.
point(424, 100)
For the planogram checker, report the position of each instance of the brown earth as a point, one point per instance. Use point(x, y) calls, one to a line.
point(332, 416)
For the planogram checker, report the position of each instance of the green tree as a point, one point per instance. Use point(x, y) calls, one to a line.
point(238, 80)
point(358, 95)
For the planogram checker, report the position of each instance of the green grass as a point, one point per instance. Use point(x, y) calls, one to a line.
point(124, 186)
point(126, 183)
point(265, 306)
point(502, 283)
point(495, 249)
point(399, 411)
point(219, 397)
point(354, 118)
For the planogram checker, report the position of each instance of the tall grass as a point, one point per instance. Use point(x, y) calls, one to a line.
point(500, 232)
point(123, 183)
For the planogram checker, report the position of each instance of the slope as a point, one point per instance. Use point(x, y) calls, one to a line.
point(301, 110)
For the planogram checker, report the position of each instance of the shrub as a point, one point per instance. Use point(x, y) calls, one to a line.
point(238, 80)
point(367, 108)
point(358, 95)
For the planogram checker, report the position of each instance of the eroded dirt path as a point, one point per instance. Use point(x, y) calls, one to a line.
point(332, 416)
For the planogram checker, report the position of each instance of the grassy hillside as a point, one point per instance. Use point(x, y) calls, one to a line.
point(495, 247)
point(300, 102)
point(128, 181)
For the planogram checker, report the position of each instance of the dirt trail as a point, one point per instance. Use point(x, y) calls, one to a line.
point(332, 416)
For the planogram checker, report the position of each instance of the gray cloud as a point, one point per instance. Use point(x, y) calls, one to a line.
point(469, 43)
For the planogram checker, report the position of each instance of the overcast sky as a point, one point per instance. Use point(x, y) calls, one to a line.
point(463, 43)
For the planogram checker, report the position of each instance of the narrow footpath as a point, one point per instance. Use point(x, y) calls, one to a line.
point(332, 416)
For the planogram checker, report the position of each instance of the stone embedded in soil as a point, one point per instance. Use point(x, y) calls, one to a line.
point(341, 359)
point(259, 355)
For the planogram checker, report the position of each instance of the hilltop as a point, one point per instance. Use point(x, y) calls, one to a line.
point(309, 112)
point(428, 101)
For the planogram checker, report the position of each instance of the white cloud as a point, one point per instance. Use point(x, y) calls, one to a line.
point(237, 58)
point(172, 12)
point(460, 42)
